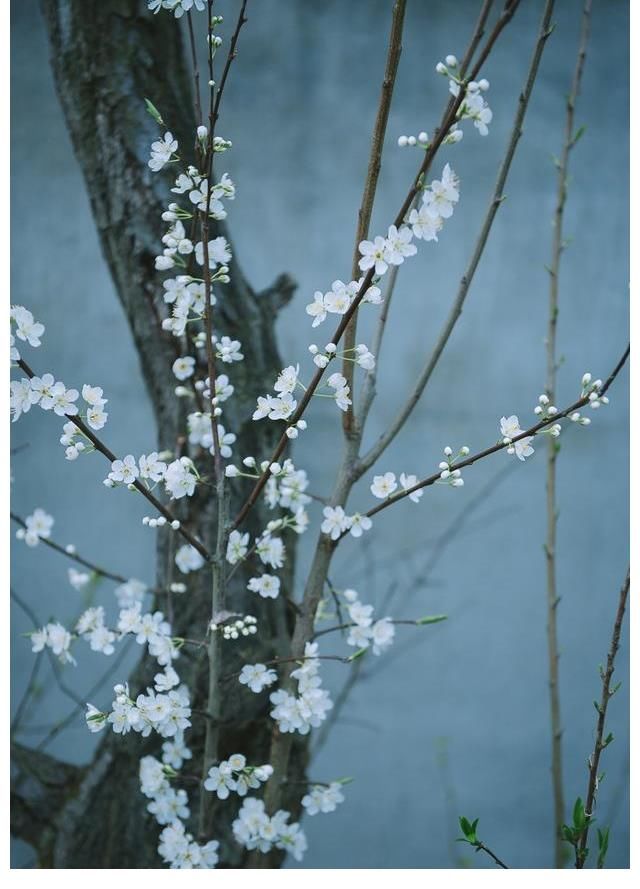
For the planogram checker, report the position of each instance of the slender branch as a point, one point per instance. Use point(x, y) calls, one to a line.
point(447, 121)
point(80, 560)
point(417, 622)
point(480, 847)
point(552, 451)
point(495, 202)
point(600, 742)
point(86, 698)
point(500, 446)
point(369, 385)
point(394, 51)
point(106, 452)
point(26, 697)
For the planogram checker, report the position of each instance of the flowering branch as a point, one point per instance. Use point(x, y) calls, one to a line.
point(371, 182)
point(111, 457)
point(495, 202)
point(500, 446)
point(570, 139)
point(448, 119)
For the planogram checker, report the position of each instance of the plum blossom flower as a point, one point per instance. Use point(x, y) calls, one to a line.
point(335, 521)
point(383, 486)
point(162, 152)
point(257, 677)
point(373, 255)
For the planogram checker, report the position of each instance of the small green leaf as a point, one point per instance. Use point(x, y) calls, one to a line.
point(603, 845)
point(357, 654)
point(578, 135)
point(153, 111)
point(435, 619)
point(579, 816)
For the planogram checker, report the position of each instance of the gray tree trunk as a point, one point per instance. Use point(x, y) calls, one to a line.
point(106, 58)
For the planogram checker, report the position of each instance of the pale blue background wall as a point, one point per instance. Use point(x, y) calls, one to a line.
point(299, 111)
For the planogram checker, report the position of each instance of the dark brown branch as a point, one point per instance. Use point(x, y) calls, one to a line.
point(394, 51)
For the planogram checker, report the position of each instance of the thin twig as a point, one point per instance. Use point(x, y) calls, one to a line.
point(552, 598)
point(500, 446)
point(600, 744)
point(394, 52)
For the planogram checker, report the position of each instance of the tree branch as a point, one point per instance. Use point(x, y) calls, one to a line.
point(456, 309)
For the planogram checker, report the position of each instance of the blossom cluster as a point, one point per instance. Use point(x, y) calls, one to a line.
point(309, 708)
point(323, 798)
point(233, 775)
point(167, 714)
point(254, 829)
point(365, 632)
point(38, 527)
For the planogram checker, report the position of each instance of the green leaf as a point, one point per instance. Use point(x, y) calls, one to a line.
point(579, 816)
point(357, 654)
point(578, 135)
point(603, 845)
point(435, 619)
point(153, 111)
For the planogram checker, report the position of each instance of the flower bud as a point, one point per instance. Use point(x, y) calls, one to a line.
point(451, 61)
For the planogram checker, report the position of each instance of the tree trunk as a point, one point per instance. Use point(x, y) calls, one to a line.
point(107, 57)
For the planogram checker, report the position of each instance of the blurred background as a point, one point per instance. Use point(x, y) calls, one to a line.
point(454, 720)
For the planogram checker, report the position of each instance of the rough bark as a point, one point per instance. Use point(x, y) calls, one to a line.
point(106, 58)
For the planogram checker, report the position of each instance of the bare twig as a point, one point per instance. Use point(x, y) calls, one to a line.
point(371, 182)
point(552, 449)
point(601, 742)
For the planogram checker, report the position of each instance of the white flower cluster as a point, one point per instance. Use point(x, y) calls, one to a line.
point(233, 775)
point(55, 637)
point(474, 106)
point(26, 329)
point(242, 626)
point(385, 485)
point(509, 429)
point(177, 7)
point(591, 388)
point(130, 593)
point(186, 296)
point(337, 522)
point(179, 850)
point(167, 714)
point(198, 187)
point(91, 627)
point(180, 477)
point(365, 632)
point(200, 433)
point(309, 709)
point(177, 847)
point(39, 525)
point(149, 629)
point(545, 410)
point(257, 677)
point(254, 829)
point(449, 475)
point(323, 798)
point(338, 300)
